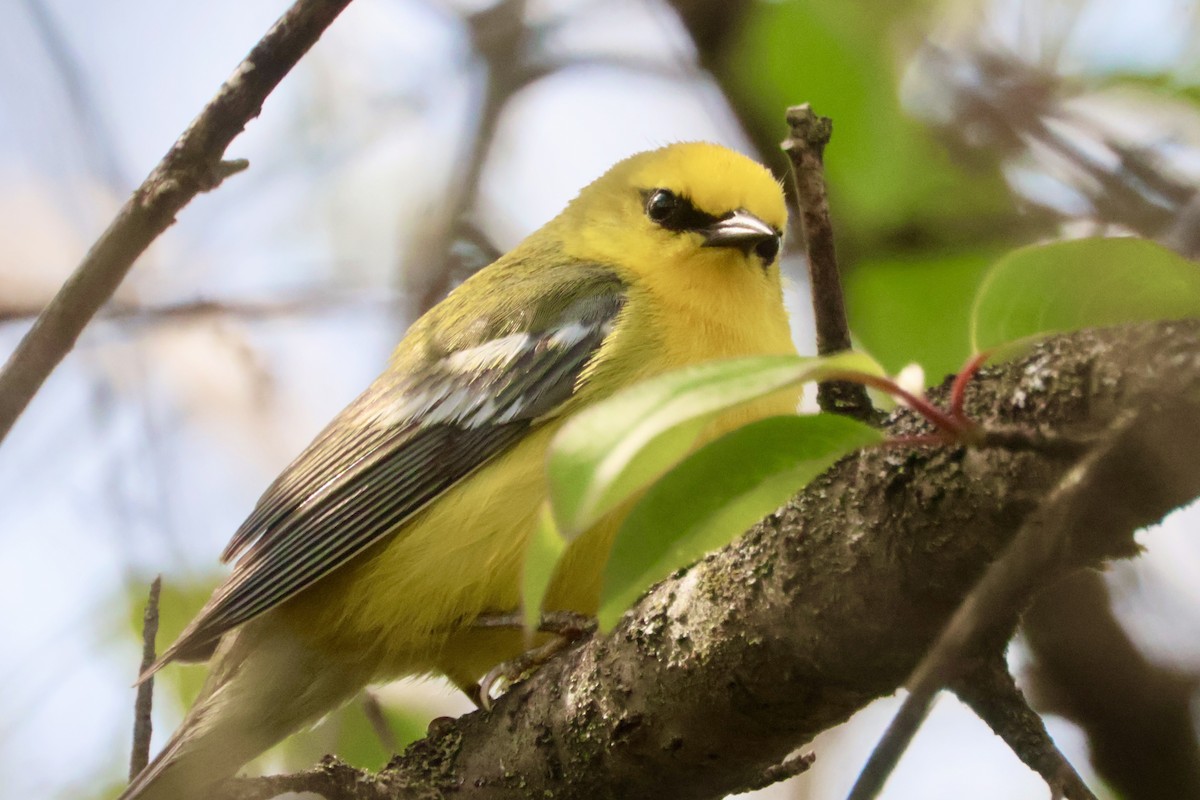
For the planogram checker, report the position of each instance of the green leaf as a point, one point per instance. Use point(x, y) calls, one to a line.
point(545, 547)
point(1082, 283)
point(716, 494)
point(608, 452)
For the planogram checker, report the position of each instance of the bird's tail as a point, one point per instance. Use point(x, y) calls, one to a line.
point(256, 694)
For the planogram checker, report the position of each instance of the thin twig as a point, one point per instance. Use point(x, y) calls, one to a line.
point(805, 147)
point(143, 705)
point(331, 779)
point(795, 764)
point(965, 431)
point(561, 623)
point(194, 164)
point(991, 692)
point(888, 750)
point(131, 315)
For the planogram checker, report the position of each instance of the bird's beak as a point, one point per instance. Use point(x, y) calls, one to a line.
point(737, 229)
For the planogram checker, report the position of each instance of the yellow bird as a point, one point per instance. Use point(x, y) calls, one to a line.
point(407, 518)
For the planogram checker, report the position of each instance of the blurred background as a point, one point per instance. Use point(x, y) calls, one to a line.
point(419, 134)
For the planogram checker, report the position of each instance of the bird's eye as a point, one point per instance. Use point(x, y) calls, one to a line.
point(661, 204)
point(767, 249)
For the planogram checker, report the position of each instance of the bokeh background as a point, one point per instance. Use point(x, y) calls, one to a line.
point(418, 135)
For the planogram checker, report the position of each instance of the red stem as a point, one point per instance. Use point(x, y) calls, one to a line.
point(917, 403)
point(958, 390)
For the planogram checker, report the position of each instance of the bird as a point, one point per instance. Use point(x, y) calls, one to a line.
point(406, 519)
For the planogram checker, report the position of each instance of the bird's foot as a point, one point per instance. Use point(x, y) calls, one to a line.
point(567, 628)
point(560, 623)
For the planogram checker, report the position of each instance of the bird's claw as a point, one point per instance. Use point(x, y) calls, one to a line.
point(567, 628)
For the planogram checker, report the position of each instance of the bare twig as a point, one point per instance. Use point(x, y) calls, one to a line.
point(889, 749)
point(1009, 105)
point(805, 147)
point(561, 623)
point(500, 37)
point(1136, 714)
point(992, 694)
point(143, 705)
point(308, 303)
point(194, 164)
point(795, 764)
point(93, 135)
point(331, 780)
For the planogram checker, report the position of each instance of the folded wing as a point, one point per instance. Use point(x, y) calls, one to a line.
point(419, 429)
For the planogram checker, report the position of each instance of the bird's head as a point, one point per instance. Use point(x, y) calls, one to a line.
point(693, 206)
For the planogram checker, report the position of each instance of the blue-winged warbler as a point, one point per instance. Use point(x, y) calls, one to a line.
point(408, 516)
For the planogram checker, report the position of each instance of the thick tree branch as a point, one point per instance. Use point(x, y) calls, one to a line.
point(721, 672)
point(194, 164)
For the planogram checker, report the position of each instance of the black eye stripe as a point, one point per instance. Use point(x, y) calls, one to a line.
point(685, 216)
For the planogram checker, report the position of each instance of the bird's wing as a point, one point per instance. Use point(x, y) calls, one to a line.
point(482, 378)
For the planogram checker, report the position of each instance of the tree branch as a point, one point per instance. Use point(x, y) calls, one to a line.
point(805, 145)
point(192, 165)
point(1136, 714)
point(722, 671)
point(143, 705)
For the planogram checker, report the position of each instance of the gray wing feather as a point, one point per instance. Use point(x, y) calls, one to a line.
point(401, 444)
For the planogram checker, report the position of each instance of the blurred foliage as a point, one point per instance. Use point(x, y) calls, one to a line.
point(916, 308)
point(892, 186)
